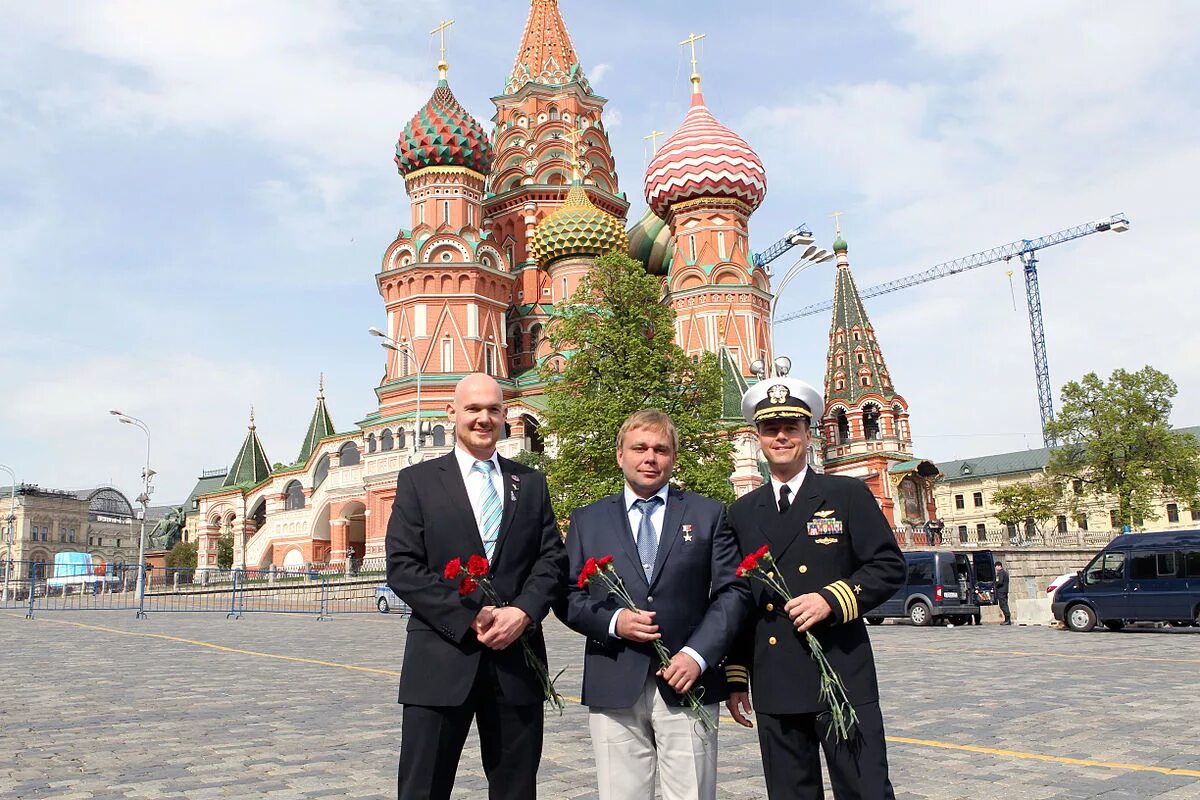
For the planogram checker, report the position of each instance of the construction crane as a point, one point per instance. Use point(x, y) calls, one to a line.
point(796, 236)
point(1026, 251)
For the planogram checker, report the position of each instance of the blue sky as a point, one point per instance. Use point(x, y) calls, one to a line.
point(194, 197)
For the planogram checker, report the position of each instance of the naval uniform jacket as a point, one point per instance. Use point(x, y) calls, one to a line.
point(431, 524)
point(835, 541)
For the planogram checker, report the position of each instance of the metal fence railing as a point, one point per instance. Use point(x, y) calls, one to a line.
point(320, 590)
point(992, 537)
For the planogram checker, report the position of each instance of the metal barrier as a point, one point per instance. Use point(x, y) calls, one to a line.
point(322, 593)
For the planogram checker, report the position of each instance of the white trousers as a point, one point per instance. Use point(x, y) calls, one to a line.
point(632, 744)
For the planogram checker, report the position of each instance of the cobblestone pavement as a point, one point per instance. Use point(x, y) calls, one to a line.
point(101, 705)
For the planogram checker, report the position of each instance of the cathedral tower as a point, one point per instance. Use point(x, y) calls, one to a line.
point(705, 182)
point(547, 101)
point(865, 426)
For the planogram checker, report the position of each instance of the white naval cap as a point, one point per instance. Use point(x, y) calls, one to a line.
point(782, 398)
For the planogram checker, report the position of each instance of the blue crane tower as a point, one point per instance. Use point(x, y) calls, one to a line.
point(796, 236)
point(1026, 251)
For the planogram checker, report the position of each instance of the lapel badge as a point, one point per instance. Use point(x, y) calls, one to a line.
point(826, 540)
point(826, 513)
point(516, 478)
point(513, 495)
point(687, 532)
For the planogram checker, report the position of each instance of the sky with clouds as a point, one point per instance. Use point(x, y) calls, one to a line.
point(194, 198)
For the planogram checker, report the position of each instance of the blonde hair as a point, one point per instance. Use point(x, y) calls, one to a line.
point(651, 419)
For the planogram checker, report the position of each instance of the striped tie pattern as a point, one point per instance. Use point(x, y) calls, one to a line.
point(490, 508)
point(647, 547)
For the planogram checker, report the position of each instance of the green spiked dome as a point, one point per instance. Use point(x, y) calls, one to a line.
point(650, 243)
point(839, 245)
point(443, 134)
point(577, 229)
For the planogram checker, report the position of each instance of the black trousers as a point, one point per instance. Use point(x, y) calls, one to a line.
point(791, 745)
point(1002, 601)
point(510, 743)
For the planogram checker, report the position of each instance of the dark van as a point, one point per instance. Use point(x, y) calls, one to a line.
point(941, 586)
point(1138, 577)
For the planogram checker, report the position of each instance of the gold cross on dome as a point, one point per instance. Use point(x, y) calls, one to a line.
point(837, 223)
point(653, 137)
point(692, 39)
point(441, 30)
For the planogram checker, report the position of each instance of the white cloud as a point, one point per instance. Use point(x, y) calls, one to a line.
point(597, 73)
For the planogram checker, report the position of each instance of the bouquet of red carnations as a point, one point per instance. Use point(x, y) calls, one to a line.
point(601, 569)
point(475, 576)
point(842, 718)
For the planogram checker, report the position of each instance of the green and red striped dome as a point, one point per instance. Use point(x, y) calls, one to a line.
point(443, 134)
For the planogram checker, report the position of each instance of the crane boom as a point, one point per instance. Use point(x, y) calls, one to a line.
point(1026, 251)
point(1116, 222)
point(796, 236)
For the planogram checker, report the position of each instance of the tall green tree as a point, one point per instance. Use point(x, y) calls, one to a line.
point(1021, 502)
point(225, 551)
point(182, 558)
point(616, 354)
point(1117, 440)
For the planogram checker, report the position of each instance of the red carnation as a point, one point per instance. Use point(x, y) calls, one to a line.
point(603, 562)
point(477, 566)
point(467, 586)
point(453, 568)
point(587, 573)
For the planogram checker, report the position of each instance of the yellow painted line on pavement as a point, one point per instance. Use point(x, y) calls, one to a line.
point(1079, 762)
point(1032, 654)
point(220, 647)
point(967, 748)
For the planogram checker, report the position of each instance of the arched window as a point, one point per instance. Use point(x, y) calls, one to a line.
point(371, 443)
point(439, 436)
point(294, 496)
point(865, 380)
point(385, 440)
point(862, 359)
point(350, 454)
point(400, 438)
point(535, 338)
point(553, 112)
point(871, 429)
point(843, 426)
point(321, 472)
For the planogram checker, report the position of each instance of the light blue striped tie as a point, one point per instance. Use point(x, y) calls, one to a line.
point(647, 547)
point(491, 508)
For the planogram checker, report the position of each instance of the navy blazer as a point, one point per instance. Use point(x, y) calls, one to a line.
point(698, 598)
point(431, 524)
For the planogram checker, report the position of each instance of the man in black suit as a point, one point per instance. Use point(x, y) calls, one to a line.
point(462, 660)
point(677, 559)
point(836, 552)
point(1002, 592)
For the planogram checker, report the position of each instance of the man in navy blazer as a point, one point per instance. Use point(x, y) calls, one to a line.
point(462, 660)
point(678, 560)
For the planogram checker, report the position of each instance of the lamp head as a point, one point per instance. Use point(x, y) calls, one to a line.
point(783, 365)
point(376, 332)
point(759, 368)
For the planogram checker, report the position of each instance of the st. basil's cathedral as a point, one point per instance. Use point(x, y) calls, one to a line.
point(503, 228)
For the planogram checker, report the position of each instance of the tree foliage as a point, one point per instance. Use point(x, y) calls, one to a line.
point(1117, 440)
point(1020, 502)
point(620, 356)
point(225, 551)
point(182, 558)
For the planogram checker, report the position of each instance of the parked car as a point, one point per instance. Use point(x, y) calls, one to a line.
point(1138, 577)
point(387, 601)
point(941, 586)
point(1058, 582)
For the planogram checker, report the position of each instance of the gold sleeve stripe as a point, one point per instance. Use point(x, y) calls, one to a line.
point(852, 597)
point(841, 598)
point(736, 673)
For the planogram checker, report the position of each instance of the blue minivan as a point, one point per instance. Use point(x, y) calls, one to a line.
point(1138, 577)
point(940, 586)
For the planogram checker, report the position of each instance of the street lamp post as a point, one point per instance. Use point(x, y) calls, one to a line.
point(812, 255)
point(11, 521)
point(389, 343)
point(144, 499)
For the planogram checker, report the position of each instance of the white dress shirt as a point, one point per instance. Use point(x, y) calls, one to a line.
point(793, 485)
point(473, 478)
point(657, 517)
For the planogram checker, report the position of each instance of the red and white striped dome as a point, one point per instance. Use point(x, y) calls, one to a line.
point(703, 158)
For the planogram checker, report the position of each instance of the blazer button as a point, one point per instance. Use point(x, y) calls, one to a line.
point(770, 606)
point(803, 568)
point(772, 640)
point(649, 598)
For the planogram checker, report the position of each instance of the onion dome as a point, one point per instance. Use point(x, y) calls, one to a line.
point(703, 158)
point(839, 245)
point(443, 134)
point(578, 228)
point(650, 243)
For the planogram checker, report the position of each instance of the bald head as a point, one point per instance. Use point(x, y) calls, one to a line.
point(478, 414)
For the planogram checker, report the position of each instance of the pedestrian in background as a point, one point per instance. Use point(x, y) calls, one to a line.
point(1002, 592)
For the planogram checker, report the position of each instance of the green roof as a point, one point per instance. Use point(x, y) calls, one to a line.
point(733, 387)
point(319, 427)
point(251, 465)
point(206, 484)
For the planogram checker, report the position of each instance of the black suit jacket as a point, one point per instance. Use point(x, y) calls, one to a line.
point(833, 540)
point(431, 524)
point(693, 588)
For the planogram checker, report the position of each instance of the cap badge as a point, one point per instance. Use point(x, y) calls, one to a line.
point(777, 393)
